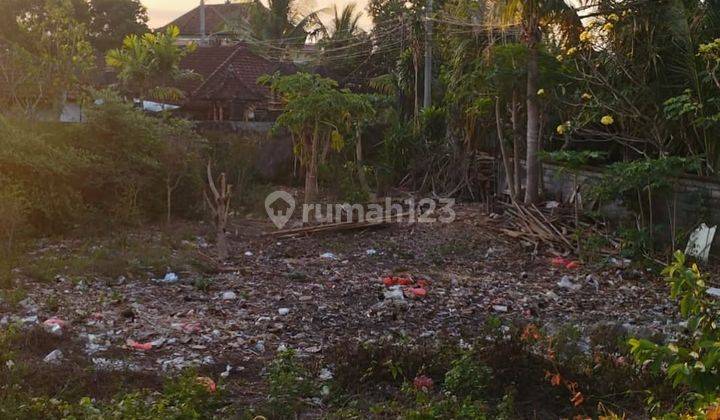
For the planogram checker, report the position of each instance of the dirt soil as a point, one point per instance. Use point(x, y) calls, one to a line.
point(314, 292)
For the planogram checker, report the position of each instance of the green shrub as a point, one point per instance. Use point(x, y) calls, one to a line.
point(467, 378)
point(289, 382)
point(693, 362)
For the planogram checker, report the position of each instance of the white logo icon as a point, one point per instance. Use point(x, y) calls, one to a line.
point(280, 206)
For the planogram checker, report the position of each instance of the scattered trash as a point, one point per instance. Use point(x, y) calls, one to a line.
point(54, 326)
point(170, 278)
point(417, 292)
point(260, 346)
point(208, 383)
point(10, 364)
point(248, 254)
point(621, 262)
point(230, 295)
point(54, 357)
point(329, 256)
point(114, 365)
point(567, 283)
point(395, 281)
point(700, 242)
point(283, 311)
point(713, 291)
point(227, 371)
point(370, 252)
point(139, 346)
point(423, 383)
point(562, 262)
point(325, 374)
point(31, 320)
point(500, 308)
point(552, 295)
point(552, 205)
point(593, 281)
point(394, 293)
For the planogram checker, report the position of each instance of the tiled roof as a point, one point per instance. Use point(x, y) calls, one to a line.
point(216, 17)
point(229, 72)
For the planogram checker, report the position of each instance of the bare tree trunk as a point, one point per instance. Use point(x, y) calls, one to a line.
point(168, 198)
point(509, 177)
point(311, 185)
point(360, 164)
point(220, 205)
point(517, 139)
point(533, 114)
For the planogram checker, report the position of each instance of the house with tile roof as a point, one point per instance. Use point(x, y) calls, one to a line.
point(217, 18)
point(227, 89)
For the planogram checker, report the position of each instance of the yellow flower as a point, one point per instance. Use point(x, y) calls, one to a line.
point(571, 51)
point(585, 36)
point(586, 96)
point(608, 27)
point(541, 92)
point(607, 120)
point(563, 128)
point(613, 18)
point(560, 57)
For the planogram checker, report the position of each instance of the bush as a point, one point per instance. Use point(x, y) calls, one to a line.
point(691, 363)
point(120, 163)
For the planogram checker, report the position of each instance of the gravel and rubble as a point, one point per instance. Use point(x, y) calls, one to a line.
point(315, 292)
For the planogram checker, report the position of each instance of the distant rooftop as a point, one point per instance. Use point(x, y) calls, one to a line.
point(216, 18)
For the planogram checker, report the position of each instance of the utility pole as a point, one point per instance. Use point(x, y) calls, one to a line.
point(203, 40)
point(428, 55)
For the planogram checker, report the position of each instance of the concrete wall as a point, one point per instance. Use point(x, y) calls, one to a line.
point(698, 198)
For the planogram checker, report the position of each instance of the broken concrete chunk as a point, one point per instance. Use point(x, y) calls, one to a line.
point(54, 357)
point(567, 283)
point(700, 242)
point(230, 295)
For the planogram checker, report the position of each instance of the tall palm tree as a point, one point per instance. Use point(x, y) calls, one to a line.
point(282, 23)
point(534, 16)
point(345, 24)
point(344, 44)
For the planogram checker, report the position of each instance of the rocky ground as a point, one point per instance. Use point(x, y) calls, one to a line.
point(315, 292)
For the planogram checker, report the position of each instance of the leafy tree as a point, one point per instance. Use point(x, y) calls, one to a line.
point(149, 66)
point(49, 57)
point(319, 115)
point(532, 16)
point(112, 20)
point(107, 22)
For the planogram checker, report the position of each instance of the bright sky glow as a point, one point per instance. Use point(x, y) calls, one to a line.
point(164, 11)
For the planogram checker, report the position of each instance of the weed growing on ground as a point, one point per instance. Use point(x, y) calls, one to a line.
point(289, 383)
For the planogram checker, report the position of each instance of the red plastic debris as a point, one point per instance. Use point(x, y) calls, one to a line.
point(54, 321)
point(138, 346)
point(208, 383)
point(390, 281)
point(191, 328)
point(423, 383)
point(562, 262)
point(572, 265)
point(418, 292)
point(559, 262)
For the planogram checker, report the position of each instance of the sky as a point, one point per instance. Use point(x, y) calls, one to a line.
point(163, 11)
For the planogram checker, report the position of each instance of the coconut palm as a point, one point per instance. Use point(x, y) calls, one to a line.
point(534, 16)
point(344, 44)
point(282, 23)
